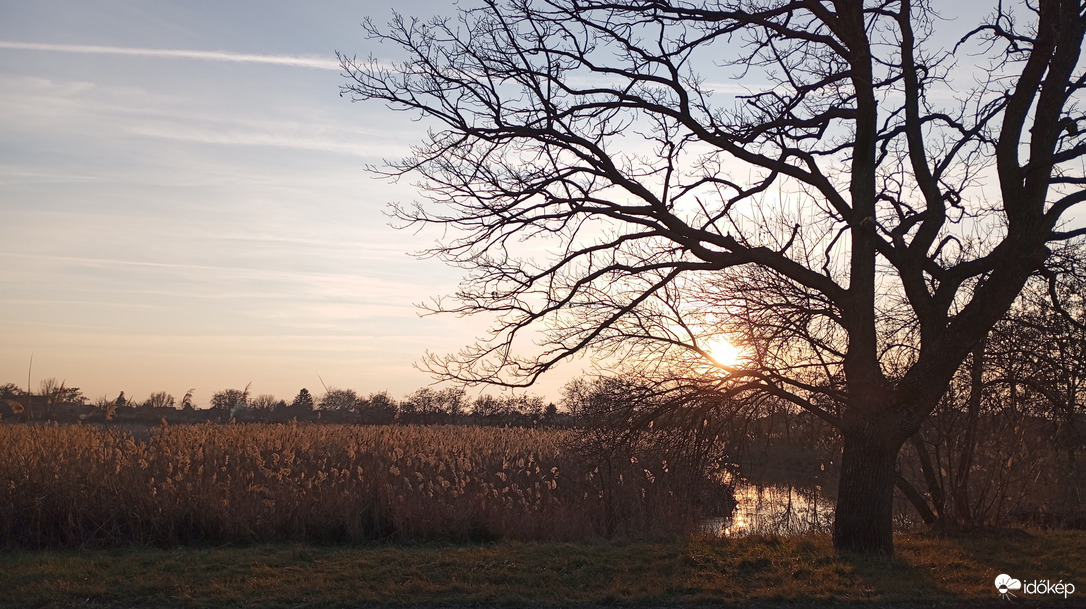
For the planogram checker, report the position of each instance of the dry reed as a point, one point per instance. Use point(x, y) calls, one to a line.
point(79, 486)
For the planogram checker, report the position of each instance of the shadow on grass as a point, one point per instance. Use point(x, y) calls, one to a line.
point(960, 570)
point(896, 580)
point(926, 572)
point(761, 572)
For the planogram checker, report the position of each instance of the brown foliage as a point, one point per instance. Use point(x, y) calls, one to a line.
point(76, 486)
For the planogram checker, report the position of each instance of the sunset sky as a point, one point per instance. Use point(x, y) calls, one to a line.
point(183, 203)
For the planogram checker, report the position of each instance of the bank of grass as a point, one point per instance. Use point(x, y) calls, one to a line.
point(754, 571)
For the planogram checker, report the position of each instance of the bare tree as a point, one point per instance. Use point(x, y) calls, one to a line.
point(230, 401)
point(159, 399)
point(345, 400)
point(56, 395)
point(602, 186)
point(105, 408)
point(429, 405)
point(1001, 444)
point(264, 401)
point(10, 396)
point(507, 407)
point(379, 407)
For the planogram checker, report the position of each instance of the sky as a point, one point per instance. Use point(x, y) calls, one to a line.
point(184, 205)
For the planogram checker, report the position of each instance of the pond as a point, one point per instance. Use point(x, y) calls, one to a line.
point(791, 509)
point(776, 509)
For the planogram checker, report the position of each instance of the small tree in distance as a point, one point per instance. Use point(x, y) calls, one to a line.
point(231, 400)
point(379, 407)
point(430, 405)
point(343, 400)
point(264, 401)
point(159, 399)
point(303, 401)
point(105, 408)
point(9, 399)
point(831, 215)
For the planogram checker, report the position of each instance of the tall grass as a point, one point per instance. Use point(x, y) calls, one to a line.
point(78, 486)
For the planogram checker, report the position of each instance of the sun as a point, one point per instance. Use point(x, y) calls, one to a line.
point(722, 351)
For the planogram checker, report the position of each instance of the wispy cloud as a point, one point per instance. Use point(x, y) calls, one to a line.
point(297, 61)
point(17, 174)
point(224, 282)
point(280, 135)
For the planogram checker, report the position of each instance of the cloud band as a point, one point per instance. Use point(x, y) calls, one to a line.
point(296, 61)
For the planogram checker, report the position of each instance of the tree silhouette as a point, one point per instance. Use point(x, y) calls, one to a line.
point(427, 405)
point(1002, 442)
point(345, 400)
point(159, 399)
point(379, 408)
point(230, 401)
point(303, 401)
point(265, 402)
point(808, 178)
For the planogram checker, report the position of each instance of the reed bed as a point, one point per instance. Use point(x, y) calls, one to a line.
point(87, 486)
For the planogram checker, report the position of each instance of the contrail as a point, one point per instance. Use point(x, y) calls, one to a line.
point(318, 63)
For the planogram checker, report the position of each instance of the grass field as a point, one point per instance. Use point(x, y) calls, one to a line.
point(757, 572)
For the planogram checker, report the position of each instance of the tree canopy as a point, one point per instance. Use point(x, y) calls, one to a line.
point(836, 186)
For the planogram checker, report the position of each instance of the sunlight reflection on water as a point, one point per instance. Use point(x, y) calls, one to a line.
point(775, 510)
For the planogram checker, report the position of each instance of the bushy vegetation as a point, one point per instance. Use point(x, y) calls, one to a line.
point(82, 485)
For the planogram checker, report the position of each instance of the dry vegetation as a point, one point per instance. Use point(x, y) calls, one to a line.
point(79, 486)
point(796, 571)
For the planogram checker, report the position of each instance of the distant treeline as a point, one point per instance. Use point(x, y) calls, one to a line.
point(1005, 446)
point(426, 406)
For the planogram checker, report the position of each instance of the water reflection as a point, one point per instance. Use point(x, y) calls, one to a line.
point(776, 510)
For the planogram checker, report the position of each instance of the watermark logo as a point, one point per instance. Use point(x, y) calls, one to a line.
point(1005, 585)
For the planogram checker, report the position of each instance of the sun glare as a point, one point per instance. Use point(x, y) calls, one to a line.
point(723, 351)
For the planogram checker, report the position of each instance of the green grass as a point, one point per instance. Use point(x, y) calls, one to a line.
point(699, 572)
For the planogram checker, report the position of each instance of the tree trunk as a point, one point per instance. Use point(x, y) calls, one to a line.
point(863, 521)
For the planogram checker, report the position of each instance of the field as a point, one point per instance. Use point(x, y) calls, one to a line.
point(344, 516)
point(692, 572)
point(81, 486)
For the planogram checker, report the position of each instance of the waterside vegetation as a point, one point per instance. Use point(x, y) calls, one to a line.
point(80, 486)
